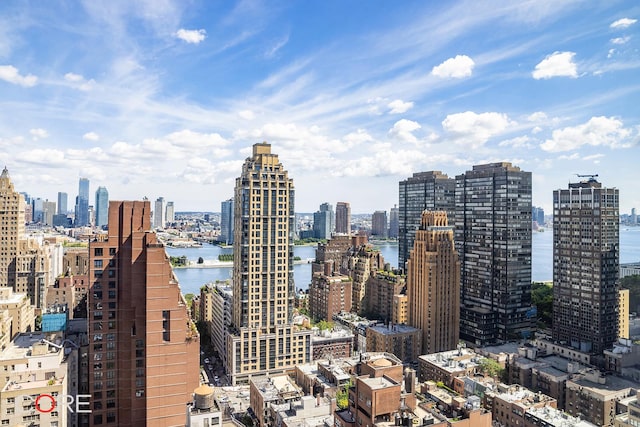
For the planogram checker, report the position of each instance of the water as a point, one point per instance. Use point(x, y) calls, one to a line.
point(191, 279)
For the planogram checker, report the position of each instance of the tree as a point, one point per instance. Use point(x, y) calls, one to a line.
point(189, 299)
point(490, 367)
point(542, 298)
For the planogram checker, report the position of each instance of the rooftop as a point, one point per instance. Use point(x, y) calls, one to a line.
point(27, 345)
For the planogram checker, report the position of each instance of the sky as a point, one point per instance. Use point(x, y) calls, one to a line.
point(155, 98)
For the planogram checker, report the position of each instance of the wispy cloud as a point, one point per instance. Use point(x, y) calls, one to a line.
point(623, 23)
point(191, 36)
point(399, 106)
point(11, 74)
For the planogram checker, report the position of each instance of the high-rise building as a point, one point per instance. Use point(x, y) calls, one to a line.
point(493, 238)
point(585, 266)
point(24, 264)
point(394, 215)
point(537, 215)
point(12, 214)
point(343, 218)
point(379, 224)
point(431, 190)
point(433, 284)
point(102, 207)
point(82, 204)
point(143, 348)
point(323, 222)
point(226, 222)
point(159, 213)
point(62, 203)
point(170, 214)
point(263, 339)
point(38, 210)
point(48, 211)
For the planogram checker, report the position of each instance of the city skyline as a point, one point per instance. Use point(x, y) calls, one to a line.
point(548, 86)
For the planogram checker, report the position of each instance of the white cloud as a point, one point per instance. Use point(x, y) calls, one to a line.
point(91, 136)
point(44, 157)
point(458, 67)
point(402, 130)
point(620, 40)
point(247, 114)
point(357, 137)
point(191, 36)
point(517, 142)
point(78, 81)
point(473, 129)
point(623, 23)
point(37, 134)
point(538, 116)
point(611, 53)
point(598, 131)
point(558, 64)
point(11, 74)
point(72, 77)
point(399, 106)
point(190, 139)
point(593, 157)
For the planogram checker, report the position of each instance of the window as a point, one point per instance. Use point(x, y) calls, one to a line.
point(97, 263)
point(166, 318)
point(97, 252)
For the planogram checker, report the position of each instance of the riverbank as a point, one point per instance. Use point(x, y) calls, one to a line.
point(226, 264)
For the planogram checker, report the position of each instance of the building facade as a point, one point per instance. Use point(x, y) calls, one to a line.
point(62, 203)
point(143, 348)
point(102, 207)
point(159, 213)
point(586, 251)
point(379, 224)
point(394, 215)
point(343, 218)
point(493, 238)
point(170, 213)
point(431, 190)
point(433, 284)
point(263, 339)
point(226, 222)
point(323, 222)
point(82, 204)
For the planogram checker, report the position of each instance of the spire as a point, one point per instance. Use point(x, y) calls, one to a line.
point(5, 173)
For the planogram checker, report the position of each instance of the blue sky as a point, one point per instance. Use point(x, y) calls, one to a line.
point(165, 98)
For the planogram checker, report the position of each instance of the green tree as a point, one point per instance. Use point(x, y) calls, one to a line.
point(189, 299)
point(490, 367)
point(542, 298)
point(323, 324)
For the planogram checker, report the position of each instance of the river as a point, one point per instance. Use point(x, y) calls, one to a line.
point(191, 279)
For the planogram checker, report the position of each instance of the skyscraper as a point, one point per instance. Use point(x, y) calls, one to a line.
point(323, 222)
point(343, 218)
point(379, 224)
point(82, 204)
point(493, 238)
point(143, 348)
point(585, 266)
point(170, 214)
point(102, 207)
point(24, 263)
point(262, 338)
point(431, 190)
point(62, 203)
point(159, 213)
point(433, 284)
point(226, 222)
point(12, 214)
point(393, 222)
